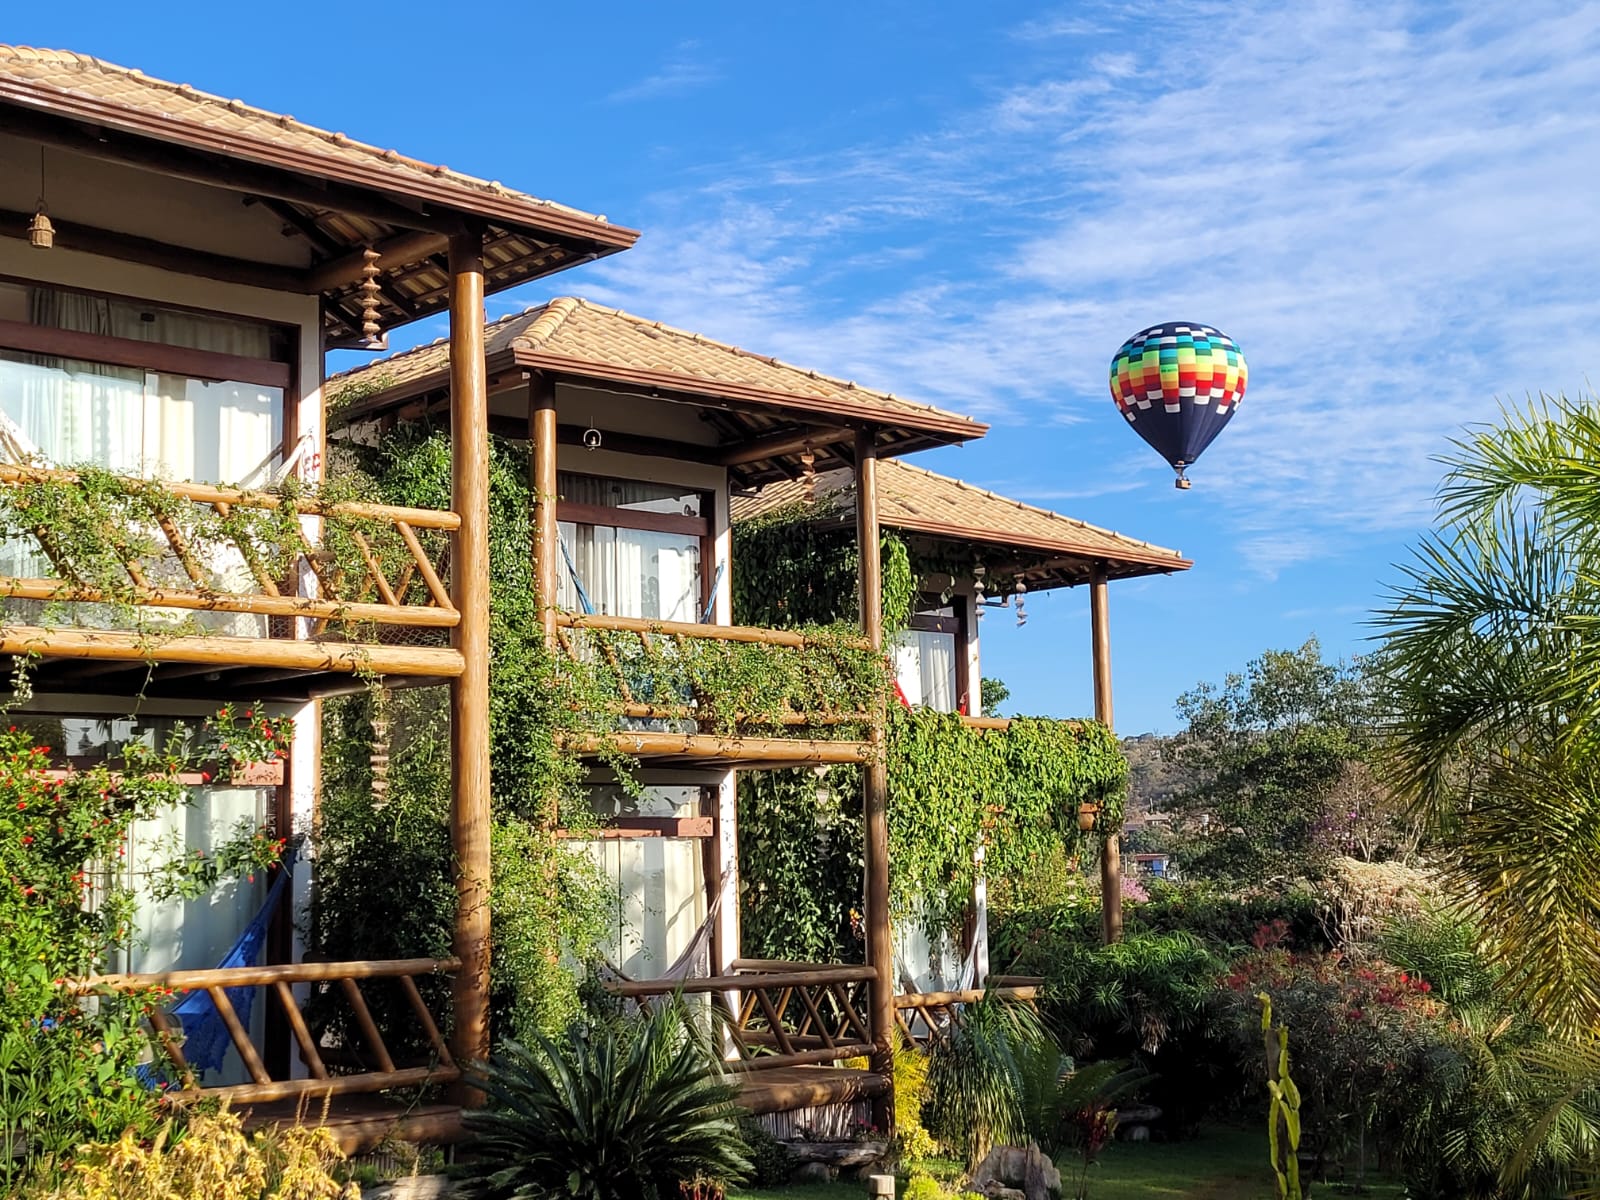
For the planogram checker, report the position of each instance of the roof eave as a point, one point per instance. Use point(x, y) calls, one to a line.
point(509, 211)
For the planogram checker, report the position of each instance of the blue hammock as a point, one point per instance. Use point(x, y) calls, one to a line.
point(206, 1041)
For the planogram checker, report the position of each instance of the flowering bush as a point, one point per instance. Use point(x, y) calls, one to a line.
point(67, 1062)
point(1361, 1034)
point(249, 736)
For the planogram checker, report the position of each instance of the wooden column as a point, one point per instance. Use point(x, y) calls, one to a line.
point(875, 800)
point(542, 478)
point(469, 694)
point(1111, 851)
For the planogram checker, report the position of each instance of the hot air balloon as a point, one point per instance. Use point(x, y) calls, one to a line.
point(1178, 384)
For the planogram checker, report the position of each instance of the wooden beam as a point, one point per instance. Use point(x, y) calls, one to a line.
point(728, 751)
point(781, 446)
point(321, 239)
point(697, 828)
point(224, 653)
point(88, 239)
point(469, 692)
point(1111, 848)
point(401, 250)
point(875, 799)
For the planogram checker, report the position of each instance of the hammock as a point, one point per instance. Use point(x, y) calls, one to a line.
point(695, 960)
point(206, 1040)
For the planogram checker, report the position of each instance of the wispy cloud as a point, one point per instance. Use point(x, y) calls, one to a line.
point(1386, 202)
point(685, 71)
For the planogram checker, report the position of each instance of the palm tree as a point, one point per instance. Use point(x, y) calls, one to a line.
point(1491, 649)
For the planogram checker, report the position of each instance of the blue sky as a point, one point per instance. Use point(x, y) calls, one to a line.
point(1389, 206)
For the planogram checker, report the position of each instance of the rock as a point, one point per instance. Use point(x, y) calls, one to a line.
point(999, 1191)
point(1011, 1167)
point(1134, 1133)
point(813, 1172)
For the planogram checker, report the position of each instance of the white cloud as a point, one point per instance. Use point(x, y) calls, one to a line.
point(684, 72)
point(1388, 204)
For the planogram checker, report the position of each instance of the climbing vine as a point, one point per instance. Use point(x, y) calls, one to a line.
point(1017, 792)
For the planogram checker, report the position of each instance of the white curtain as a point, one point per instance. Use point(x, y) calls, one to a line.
point(631, 572)
point(925, 668)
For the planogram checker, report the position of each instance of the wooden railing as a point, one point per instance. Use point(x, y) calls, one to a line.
point(279, 982)
point(373, 574)
point(649, 666)
point(927, 1017)
point(384, 575)
point(779, 1014)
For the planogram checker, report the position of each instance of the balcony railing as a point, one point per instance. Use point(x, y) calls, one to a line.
point(365, 1068)
point(728, 692)
point(101, 566)
point(778, 1014)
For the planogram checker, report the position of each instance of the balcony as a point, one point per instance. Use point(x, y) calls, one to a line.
point(726, 695)
point(188, 590)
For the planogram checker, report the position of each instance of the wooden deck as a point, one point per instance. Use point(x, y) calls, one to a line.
point(784, 1089)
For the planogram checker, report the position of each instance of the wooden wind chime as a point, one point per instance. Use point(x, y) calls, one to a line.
point(371, 330)
point(808, 474)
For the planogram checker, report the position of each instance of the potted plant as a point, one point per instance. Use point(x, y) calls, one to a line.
point(251, 744)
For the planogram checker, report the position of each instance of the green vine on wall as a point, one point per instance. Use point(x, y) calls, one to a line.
point(1015, 791)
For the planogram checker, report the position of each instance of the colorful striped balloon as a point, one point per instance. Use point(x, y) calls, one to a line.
point(1178, 384)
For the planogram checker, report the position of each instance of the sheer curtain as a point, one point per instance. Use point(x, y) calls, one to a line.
point(631, 572)
point(925, 669)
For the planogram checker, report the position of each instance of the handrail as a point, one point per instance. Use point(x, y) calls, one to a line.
point(733, 983)
point(301, 972)
point(725, 633)
point(963, 996)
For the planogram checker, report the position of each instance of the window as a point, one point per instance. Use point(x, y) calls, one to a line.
point(632, 549)
point(137, 388)
point(930, 658)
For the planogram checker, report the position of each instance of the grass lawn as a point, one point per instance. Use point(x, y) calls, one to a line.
point(1221, 1164)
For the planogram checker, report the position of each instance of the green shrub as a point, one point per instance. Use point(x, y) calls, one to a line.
point(625, 1110)
point(922, 1186)
point(976, 1077)
point(770, 1162)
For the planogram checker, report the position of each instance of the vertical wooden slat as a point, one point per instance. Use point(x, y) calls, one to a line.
point(542, 478)
point(241, 1039)
point(423, 1015)
point(1111, 850)
point(163, 1027)
point(308, 1045)
point(875, 800)
point(469, 692)
point(368, 1027)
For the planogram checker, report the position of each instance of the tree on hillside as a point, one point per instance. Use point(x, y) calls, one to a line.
point(1493, 658)
point(1278, 781)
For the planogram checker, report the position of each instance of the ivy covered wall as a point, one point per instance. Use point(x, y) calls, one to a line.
point(800, 836)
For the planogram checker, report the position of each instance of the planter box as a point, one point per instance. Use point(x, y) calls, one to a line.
point(268, 773)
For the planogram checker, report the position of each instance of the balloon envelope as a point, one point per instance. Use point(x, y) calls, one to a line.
point(1178, 384)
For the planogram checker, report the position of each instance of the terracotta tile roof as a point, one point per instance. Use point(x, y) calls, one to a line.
point(916, 500)
point(68, 84)
point(583, 338)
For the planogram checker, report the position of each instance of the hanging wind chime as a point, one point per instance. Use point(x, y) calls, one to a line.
point(808, 474)
point(371, 330)
point(1021, 593)
point(41, 233)
point(978, 573)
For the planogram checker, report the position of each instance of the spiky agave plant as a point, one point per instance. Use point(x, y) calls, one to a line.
point(625, 1110)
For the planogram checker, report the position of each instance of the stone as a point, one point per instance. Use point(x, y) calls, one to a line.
point(1013, 1167)
point(813, 1172)
point(1134, 1133)
point(880, 1185)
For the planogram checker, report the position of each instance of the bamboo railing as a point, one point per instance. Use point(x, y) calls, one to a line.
point(185, 548)
point(279, 982)
point(755, 737)
point(778, 1014)
point(928, 1017)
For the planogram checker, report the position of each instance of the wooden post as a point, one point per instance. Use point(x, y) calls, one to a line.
point(1111, 851)
point(542, 435)
point(469, 693)
point(875, 800)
